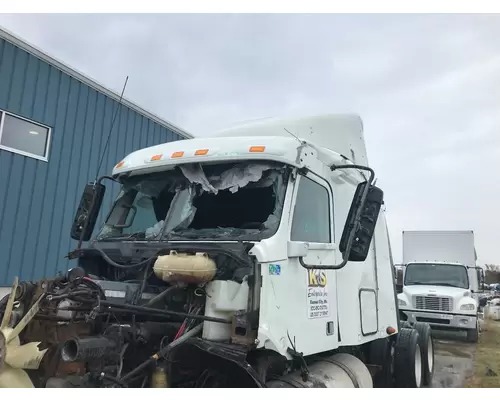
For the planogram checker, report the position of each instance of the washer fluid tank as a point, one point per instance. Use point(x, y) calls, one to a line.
point(224, 299)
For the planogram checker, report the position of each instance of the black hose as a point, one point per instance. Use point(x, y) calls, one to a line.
point(113, 379)
point(160, 296)
point(140, 290)
point(163, 352)
point(140, 309)
point(88, 348)
point(116, 265)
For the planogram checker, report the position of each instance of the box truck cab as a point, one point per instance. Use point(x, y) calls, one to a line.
point(440, 282)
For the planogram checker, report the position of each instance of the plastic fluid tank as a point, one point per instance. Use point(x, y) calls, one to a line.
point(224, 299)
point(186, 268)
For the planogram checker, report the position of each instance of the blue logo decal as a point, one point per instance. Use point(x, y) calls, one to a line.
point(274, 269)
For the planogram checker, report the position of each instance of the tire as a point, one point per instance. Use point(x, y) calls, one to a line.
point(407, 325)
point(473, 334)
point(426, 345)
point(380, 353)
point(408, 369)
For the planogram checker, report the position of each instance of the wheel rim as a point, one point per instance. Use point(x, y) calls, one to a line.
point(418, 366)
point(430, 354)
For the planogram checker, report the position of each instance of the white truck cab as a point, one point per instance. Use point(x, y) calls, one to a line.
point(440, 282)
point(258, 257)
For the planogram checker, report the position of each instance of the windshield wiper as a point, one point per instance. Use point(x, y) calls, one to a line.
point(444, 284)
point(124, 237)
point(432, 284)
point(230, 233)
point(191, 235)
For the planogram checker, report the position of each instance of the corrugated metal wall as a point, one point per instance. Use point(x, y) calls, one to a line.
point(37, 198)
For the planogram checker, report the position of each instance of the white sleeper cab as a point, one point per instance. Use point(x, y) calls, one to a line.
point(255, 257)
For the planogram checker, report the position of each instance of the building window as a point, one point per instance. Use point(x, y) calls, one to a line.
point(311, 216)
point(22, 136)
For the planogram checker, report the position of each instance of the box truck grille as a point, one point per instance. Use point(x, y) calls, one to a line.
point(433, 303)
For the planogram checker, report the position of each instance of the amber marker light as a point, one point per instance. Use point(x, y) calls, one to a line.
point(257, 149)
point(177, 154)
point(202, 152)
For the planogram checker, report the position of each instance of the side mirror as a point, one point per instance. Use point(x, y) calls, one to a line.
point(481, 279)
point(399, 280)
point(87, 212)
point(367, 222)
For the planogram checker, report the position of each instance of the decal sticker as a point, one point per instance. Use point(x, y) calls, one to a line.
point(317, 294)
point(274, 269)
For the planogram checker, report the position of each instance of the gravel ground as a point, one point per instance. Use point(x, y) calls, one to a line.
point(454, 359)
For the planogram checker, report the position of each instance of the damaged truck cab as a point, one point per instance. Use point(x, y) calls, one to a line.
point(263, 247)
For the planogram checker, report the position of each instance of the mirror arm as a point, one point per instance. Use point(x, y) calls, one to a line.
point(330, 267)
point(92, 204)
point(345, 254)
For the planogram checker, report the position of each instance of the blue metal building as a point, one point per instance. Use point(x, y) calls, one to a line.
point(54, 123)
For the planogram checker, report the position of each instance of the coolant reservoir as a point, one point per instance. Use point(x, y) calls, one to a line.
point(223, 299)
point(187, 268)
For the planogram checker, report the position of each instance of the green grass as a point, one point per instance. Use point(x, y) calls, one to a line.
point(487, 362)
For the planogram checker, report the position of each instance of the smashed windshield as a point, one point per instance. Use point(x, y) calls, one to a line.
point(437, 274)
point(222, 201)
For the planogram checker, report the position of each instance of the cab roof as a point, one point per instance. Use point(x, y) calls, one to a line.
point(332, 138)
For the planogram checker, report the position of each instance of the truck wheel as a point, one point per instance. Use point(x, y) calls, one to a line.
point(407, 324)
point(473, 334)
point(426, 345)
point(380, 353)
point(408, 360)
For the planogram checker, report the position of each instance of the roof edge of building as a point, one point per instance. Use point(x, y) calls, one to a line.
point(38, 53)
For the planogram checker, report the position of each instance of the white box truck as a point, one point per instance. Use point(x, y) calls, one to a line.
point(440, 281)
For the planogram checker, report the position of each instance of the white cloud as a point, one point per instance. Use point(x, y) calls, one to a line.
point(426, 87)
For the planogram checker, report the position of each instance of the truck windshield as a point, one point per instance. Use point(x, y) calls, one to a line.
point(216, 202)
point(437, 274)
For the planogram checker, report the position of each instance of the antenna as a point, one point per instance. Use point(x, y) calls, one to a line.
point(294, 136)
point(111, 130)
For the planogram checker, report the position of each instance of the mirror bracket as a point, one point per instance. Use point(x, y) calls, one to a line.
point(297, 249)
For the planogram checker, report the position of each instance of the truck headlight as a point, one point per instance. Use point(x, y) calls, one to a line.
point(469, 307)
point(401, 302)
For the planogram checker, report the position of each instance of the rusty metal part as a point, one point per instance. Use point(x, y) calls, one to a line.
point(241, 329)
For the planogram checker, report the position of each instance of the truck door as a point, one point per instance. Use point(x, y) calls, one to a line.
point(314, 322)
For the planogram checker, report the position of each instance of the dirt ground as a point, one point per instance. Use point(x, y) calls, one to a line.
point(487, 359)
point(454, 359)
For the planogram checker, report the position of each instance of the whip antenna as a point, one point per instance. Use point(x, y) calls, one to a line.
point(118, 108)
